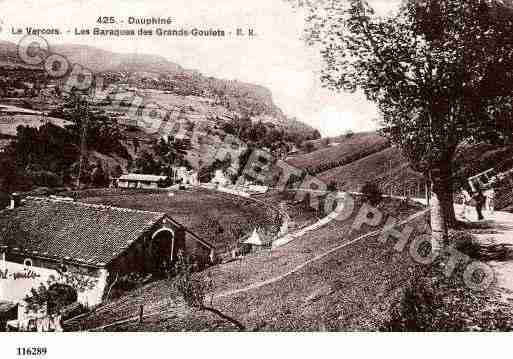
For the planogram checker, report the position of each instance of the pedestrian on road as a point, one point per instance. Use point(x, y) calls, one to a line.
point(490, 200)
point(480, 202)
point(466, 198)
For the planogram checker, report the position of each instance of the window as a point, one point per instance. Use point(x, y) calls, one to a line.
point(27, 262)
point(63, 268)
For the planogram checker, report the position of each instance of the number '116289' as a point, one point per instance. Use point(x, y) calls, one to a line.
point(31, 351)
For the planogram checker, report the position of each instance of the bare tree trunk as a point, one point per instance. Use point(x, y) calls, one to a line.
point(442, 203)
point(225, 317)
point(438, 221)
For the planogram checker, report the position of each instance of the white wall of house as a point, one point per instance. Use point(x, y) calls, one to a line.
point(15, 290)
point(138, 184)
point(93, 296)
point(147, 185)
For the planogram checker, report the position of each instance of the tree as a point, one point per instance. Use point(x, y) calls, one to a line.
point(332, 186)
point(99, 177)
point(79, 113)
point(145, 163)
point(309, 147)
point(194, 288)
point(372, 193)
point(440, 72)
point(58, 292)
point(55, 297)
point(172, 152)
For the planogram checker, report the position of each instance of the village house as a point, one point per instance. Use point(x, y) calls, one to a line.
point(142, 181)
point(185, 176)
point(220, 178)
point(98, 244)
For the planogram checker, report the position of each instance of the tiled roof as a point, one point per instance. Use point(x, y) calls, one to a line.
point(6, 306)
point(73, 231)
point(141, 177)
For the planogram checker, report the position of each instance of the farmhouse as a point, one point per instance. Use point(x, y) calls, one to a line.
point(185, 176)
point(133, 180)
point(94, 243)
point(220, 178)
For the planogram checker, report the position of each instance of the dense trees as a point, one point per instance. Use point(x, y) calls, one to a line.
point(51, 156)
point(102, 132)
point(440, 72)
point(267, 135)
point(47, 157)
point(164, 154)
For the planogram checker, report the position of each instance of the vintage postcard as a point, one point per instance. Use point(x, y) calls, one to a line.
point(255, 166)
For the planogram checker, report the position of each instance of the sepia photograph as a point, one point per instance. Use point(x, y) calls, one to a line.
point(280, 166)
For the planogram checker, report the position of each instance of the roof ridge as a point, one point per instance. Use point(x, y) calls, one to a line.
point(93, 205)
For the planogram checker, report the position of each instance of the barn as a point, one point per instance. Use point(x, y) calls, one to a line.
point(94, 242)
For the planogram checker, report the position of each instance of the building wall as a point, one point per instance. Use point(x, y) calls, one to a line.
point(137, 184)
point(143, 255)
point(51, 264)
point(140, 257)
point(16, 290)
point(151, 185)
point(196, 249)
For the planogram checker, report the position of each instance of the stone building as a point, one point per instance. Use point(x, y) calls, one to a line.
point(95, 242)
point(141, 181)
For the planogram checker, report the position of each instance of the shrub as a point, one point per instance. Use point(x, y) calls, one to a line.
point(99, 178)
point(45, 178)
point(164, 183)
point(465, 243)
point(415, 310)
point(332, 186)
point(440, 303)
point(372, 193)
point(126, 283)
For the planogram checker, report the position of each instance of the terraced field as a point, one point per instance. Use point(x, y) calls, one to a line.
point(387, 168)
point(349, 150)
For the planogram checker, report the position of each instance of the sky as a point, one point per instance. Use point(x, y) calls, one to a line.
point(276, 57)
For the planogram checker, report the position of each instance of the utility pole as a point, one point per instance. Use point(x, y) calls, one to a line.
point(428, 189)
point(390, 174)
point(83, 139)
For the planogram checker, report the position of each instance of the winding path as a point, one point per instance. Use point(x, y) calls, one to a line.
point(268, 281)
point(310, 261)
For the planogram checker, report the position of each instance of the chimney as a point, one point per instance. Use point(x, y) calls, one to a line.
point(15, 201)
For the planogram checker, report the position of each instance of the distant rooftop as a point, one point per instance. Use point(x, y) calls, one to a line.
point(141, 177)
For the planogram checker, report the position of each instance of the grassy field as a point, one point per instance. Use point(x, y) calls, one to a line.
point(357, 276)
point(350, 289)
point(387, 167)
point(217, 217)
point(361, 157)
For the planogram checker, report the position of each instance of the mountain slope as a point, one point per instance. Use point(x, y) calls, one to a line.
point(344, 151)
point(98, 60)
point(353, 161)
point(143, 71)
